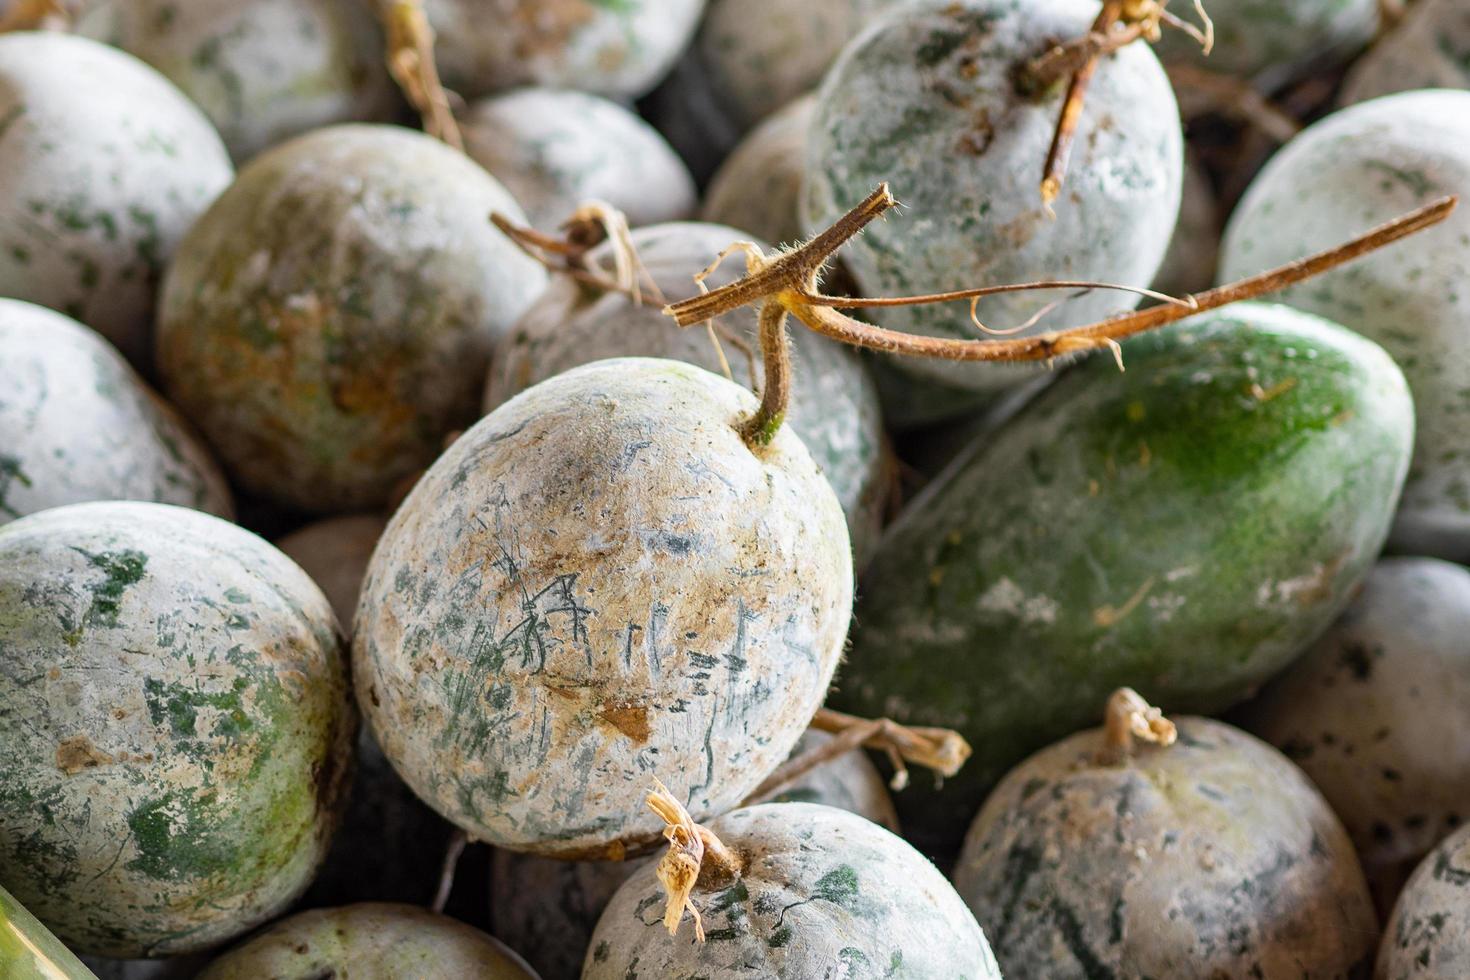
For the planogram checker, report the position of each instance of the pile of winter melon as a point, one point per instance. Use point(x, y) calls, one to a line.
point(565, 489)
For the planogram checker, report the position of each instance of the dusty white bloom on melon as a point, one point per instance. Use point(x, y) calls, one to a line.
point(1428, 934)
point(262, 70)
point(77, 424)
point(1356, 167)
point(105, 165)
point(554, 150)
point(599, 581)
point(928, 99)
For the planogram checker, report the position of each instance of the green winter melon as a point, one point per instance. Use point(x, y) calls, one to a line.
point(1186, 528)
point(370, 941)
point(175, 726)
point(1428, 934)
point(105, 166)
point(262, 70)
point(1211, 857)
point(78, 424)
point(330, 318)
point(598, 581)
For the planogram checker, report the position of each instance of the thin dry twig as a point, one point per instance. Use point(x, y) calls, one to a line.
point(590, 225)
point(410, 60)
point(452, 853)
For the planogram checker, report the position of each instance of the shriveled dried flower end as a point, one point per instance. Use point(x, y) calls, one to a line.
point(696, 858)
point(1130, 717)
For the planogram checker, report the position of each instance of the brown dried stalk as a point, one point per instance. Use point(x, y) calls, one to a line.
point(939, 749)
point(35, 15)
point(589, 226)
point(696, 858)
point(1128, 717)
point(791, 281)
point(410, 61)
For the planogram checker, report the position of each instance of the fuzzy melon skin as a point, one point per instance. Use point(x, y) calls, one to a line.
point(619, 49)
point(370, 941)
point(834, 404)
point(1214, 857)
point(758, 187)
point(761, 54)
point(1272, 42)
point(1358, 167)
point(262, 70)
point(1428, 934)
point(106, 166)
point(330, 318)
point(78, 424)
point(547, 909)
point(176, 726)
point(1375, 714)
point(824, 893)
point(555, 150)
point(599, 582)
point(925, 98)
point(1171, 528)
point(1429, 48)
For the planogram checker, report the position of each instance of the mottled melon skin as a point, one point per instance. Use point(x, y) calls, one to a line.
point(1272, 42)
point(617, 48)
point(926, 99)
point(834, 404)
point(1357, 168)
point(761, 54)
point(1428, 934)
point(175, 726)
point(597, 583)
point(106, 166)
point(1171, 528)
point(77, 424)
point(335, 553)
point(758, 187)
point(547, 909)
point(370, 941)
point(824, 893)
point(1429, 48)
point(556, 150)
point(1376, 714)
point(330, 318)
point(1214, 857)
point(262, 70)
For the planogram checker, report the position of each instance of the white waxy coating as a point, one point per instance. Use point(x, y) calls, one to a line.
point(547, 908)
point(335, 553)
point(619, 48)
point(823, 893)
point(262, 70)
point(175, 726)
point(1272, 42)
point(105, 167)
point(1355, 169)
point(370, 941)
point(330, 318)
point(555, 150)
point(1212, 857)
point(761, 54)
point(1428, 934)
point(758, 188)
point(927, 99)
point(834, 404)
point(1429, 48)
point(598, 583)
point(1375, 713)
point(77, 424)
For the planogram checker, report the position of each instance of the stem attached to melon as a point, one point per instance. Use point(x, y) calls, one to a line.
point(790, 281)
point(1128, 717)
point(939, 749)
point(696, 859)
point(593, 223)
point(410, 60)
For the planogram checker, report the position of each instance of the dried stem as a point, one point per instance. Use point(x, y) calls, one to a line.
point(1237, 98)
point(589, 226)
point(1130, 717)
point(939, 749)
point(790, 279)
point(696, 859)
point(36, 15)
point(452, 853)
point(410, 61)
point(761, 428)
